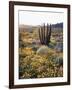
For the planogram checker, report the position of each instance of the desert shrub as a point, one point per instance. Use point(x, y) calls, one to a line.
point(59, 46)
point(61, 61)
point(51, 45)
point(58, 60)
point(37, 66)
point(26, 51)
point(35, 47)
point(45, 50)
point(42, 50)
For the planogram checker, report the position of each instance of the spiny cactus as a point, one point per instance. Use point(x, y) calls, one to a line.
point(45, 34)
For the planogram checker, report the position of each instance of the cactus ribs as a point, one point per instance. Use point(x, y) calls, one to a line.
point(45, 34)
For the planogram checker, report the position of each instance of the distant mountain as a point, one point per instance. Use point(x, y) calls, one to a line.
point(25, 28)
point(30, 28)
point(58, 25)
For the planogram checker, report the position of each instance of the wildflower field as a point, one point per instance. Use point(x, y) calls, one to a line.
point(37, 58)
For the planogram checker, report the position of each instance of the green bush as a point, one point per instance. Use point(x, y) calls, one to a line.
point(44, 50)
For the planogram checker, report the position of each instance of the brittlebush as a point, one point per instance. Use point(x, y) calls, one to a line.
point(36, 66)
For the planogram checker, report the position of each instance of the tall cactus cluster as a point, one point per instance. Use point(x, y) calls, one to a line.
point(45, 34)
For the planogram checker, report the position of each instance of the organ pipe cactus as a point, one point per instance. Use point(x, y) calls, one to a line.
point(45, 34)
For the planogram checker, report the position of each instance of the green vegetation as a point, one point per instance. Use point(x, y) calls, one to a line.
point(37, 60)
point(36, 66)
